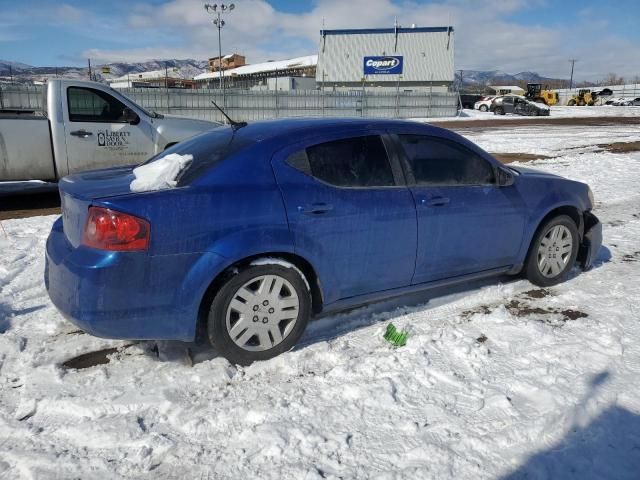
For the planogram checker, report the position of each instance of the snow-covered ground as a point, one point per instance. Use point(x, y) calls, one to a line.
point(552, 141)
point(499, 379)
point(556, 112)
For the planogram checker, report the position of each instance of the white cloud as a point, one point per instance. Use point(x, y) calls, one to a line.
point(486, 38)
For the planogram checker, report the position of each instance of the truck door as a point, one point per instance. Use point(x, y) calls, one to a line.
point(101, 131)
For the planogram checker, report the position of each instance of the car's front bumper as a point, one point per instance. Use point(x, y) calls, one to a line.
point(591, 241)
point(125, 295)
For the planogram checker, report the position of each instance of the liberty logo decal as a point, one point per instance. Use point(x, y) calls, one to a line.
point(117, 140)
point(383, 65)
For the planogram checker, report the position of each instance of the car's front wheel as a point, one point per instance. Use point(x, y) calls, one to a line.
point(259, 313)
point(553, 252)
point(483, 108)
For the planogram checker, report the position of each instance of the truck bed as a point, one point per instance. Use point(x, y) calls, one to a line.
point(25, 147)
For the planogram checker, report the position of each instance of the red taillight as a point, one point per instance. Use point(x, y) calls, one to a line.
point(110, 230)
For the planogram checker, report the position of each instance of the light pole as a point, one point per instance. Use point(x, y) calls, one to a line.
point(572, 61)
point(217, 10)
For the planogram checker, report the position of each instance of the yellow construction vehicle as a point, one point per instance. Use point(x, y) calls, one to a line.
point(582, 98)
point(536, 93)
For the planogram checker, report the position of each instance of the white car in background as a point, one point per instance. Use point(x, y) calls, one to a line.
point(627, 102)
point(622, 101)
point(484, 103)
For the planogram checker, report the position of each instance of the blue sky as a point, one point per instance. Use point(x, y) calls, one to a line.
point(507, 35)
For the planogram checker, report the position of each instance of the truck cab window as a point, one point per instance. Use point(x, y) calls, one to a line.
point(90, 105)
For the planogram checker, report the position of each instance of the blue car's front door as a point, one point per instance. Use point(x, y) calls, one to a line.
point(466, 223)
point(350, 213)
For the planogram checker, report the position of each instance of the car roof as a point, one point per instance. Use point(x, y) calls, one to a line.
point(274, 128)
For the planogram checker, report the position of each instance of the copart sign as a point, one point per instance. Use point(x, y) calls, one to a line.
point(383, 65)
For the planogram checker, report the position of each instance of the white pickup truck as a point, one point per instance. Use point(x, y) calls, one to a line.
point(86, 125)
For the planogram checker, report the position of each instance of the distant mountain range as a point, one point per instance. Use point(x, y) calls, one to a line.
point(190, 68)
point(474, 79)
point(25, 73)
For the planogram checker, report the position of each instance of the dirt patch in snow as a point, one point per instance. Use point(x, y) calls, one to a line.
point(616, 147)
point(631, 257)
point(537, 293)
point(518, 157)
point(91, 359)
point(522, 307)
point(620, 147)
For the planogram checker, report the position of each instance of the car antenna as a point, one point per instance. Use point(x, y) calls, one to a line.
point(235, 125)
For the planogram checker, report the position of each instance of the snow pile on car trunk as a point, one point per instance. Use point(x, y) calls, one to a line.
point(159, 174)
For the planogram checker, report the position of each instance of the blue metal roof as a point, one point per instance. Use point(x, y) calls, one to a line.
point(356, 31)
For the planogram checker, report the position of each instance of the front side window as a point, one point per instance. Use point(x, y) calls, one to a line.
point(350, 162)
point(90, 105)
point(437, 161)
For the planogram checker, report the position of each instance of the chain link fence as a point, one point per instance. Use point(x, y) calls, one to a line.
point(258, 105)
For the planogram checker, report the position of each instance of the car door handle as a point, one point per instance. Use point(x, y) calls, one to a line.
point(435, 201)
point(315, 208)
point(81, 133)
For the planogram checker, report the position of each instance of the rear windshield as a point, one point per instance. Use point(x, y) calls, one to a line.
point(207, 149)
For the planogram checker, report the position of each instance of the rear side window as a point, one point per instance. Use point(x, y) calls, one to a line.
point(350, 162)
point(437, 161)
point(207, 149)
point(90, 105)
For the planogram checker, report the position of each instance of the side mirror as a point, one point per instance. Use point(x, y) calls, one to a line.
point(130, 116)
point(504, 178)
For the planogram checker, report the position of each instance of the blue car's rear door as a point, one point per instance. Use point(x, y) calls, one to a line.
point(350, 213)
point(466, 223)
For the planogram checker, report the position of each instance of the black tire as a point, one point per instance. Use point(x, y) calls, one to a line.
point(532, 269)
point(571, 103)
point(483, 108)
point(498, 111)
point(217, 320)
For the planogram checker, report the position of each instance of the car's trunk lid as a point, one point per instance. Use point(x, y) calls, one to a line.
point(79, 191)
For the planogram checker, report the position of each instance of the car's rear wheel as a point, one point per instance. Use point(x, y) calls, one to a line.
point(259, 313)
point(498, 111)
point(553, 252)
point(483, 108)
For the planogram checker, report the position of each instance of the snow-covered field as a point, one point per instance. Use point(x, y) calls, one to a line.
point(498, 379)
point(556, 112)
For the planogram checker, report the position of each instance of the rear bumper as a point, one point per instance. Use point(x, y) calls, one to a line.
point(591, 241)
point(124, 295)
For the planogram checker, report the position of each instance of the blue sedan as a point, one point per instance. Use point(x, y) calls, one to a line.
point(274, 222)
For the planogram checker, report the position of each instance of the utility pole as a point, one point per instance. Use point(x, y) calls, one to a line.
point(217, 11)
point(166, 74)
point(572, 61)
point(90, 76)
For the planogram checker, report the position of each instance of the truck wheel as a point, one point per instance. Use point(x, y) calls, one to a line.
point(553, 252)
point(259, 313)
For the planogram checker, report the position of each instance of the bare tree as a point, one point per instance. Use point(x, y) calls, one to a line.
point(613, 79)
